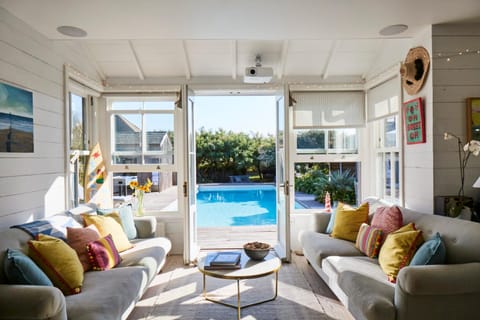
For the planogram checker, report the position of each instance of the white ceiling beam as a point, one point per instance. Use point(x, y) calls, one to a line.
point(234, 59)
point(186, 61)
point(91, 58)
point(331, 54)
point(283, 60)
point(141, 75)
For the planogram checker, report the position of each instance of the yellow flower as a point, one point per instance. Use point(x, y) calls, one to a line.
point(133, 184)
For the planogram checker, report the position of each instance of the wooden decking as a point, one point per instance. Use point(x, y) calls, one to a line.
point(235, 237)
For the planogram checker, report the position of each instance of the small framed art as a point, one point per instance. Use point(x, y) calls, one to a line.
point(473, 119)
point(414, 119)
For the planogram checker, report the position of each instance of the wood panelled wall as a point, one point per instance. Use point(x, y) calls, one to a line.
point(32, 184)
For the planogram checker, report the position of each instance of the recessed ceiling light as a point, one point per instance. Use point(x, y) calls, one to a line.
point(393, 29)
point(72, 31)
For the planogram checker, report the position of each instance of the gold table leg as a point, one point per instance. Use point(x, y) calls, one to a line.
point(239, 306)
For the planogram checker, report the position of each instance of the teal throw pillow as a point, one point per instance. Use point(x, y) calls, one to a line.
point(20, 269)
point(331, 222)
point(126, 217)
point(430, 252)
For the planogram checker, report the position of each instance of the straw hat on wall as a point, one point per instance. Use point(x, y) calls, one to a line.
point(414, 70)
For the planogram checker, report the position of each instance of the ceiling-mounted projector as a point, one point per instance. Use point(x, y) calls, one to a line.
point(258, 74)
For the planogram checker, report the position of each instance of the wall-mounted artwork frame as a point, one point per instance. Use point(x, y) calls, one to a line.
point(414, 119)
point(16, 119)
point(473, 119)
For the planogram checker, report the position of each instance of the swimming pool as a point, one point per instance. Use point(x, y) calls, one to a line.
point(236, 205)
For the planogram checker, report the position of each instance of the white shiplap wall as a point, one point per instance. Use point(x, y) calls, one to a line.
point(32, 184)
point(453, 82)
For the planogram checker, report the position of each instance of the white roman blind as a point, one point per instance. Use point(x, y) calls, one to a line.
point(384, 99)
point(332, 109)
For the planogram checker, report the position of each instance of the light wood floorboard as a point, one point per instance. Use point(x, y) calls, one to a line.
point(176, 293)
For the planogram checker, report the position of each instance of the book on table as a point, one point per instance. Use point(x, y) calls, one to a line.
point(223, 260)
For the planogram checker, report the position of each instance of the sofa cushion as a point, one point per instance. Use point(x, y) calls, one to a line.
point(126, 219)
point(78, 238)
point(55, 226)
point(59, 262)
point(398, 249)
point(430, 252)
point(318, 246)
point(331, 221)
point(107, 295)
point(20, 269)
point(103, 254)
point(348, 221)
point(368, 240)
point(388, 219)
point(110, 224)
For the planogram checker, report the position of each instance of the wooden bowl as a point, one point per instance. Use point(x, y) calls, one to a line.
point(256, 250)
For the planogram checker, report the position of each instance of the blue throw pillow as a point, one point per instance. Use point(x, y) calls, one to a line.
point(126, 217)
point(20, 269)
point(331, 222)
point(430, 252)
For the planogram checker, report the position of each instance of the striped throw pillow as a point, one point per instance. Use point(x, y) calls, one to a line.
point(368, 240)
point(103, 254)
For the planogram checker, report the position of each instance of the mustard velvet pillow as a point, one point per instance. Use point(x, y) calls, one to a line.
point(348, 221)
point(398, 250)
point(59, 262)
point(110, 224)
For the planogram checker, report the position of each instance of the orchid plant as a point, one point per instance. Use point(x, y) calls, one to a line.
point(464, 153)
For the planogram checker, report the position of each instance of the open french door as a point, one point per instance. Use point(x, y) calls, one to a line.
point(282, 182)
point(191, 248)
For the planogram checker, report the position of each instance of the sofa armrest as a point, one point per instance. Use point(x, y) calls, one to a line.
point(32, 302)
point(438, 291)
point(146, 226)
point(320, 221)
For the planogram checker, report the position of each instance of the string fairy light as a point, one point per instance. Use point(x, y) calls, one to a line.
point(448, 56)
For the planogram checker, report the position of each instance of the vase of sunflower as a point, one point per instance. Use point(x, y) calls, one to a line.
point(138, 194)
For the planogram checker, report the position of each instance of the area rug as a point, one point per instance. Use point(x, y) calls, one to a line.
point(176, 293)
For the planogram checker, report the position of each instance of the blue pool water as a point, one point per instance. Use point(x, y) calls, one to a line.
point(219, 206)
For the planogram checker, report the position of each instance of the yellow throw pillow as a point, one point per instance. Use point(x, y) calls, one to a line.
point(348, 221)
point(109, 224)
point(398, 249)
point(59, 262)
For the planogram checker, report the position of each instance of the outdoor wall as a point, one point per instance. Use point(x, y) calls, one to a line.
point(418, 158)
point(453, 82)
point(32, 184)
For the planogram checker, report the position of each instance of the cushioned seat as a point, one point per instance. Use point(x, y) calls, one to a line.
point(324, 246)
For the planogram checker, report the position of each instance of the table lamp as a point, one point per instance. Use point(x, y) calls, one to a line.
point(477, 183)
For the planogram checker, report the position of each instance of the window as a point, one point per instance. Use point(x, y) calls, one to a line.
point(142, 146)
point(142, 132)
point(79, 146)
point(322, 141)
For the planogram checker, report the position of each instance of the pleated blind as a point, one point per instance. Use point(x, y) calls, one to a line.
point(384, 99)
point(333, 109)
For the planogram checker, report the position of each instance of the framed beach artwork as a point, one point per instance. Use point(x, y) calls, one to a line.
point(473, 119)
point(414, 119)
point(16, 119)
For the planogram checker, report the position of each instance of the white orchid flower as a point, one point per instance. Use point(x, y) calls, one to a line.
point(474, 147)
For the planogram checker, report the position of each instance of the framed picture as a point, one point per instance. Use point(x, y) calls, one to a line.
point(473, 119)
point(414, 119)
point(16, 119)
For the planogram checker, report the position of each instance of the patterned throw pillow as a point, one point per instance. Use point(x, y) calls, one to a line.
point(348, 221)
point(20, 269)
point(398, 249)
point(368, 240)
point(388, 219)
point(78, 238)
point(431, 252)
point(59, 262)
point(103, 254)
point(110, 224)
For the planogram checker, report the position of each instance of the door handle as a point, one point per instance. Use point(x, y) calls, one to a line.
point(185, 190)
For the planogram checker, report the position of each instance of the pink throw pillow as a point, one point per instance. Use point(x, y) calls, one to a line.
point(103, 254)
point(78, 238)
point(389, 219)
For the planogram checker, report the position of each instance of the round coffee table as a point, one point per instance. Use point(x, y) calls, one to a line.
point(250, 269)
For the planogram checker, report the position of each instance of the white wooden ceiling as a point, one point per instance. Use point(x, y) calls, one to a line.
point(193, 39)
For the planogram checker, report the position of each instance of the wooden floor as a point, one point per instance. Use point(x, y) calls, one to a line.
point(235, 237)
point(176, 293)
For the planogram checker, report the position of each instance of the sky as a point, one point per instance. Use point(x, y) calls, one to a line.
point(249, 114)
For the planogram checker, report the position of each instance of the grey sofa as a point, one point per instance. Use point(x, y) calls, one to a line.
point(105, 295)
point(449, 291)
